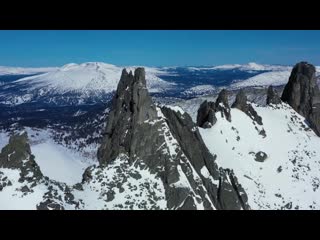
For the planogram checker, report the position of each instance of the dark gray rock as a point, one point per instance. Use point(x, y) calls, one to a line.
point(260, 156)
point(272, 96)
point(231, 195)
point(49, 205)
point(303, 95)
point(242, 104)
point(206, 117)
point(110, 195)
point(222, 104)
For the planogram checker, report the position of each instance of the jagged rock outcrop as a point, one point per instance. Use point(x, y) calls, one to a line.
point(169, 145)
point(222, 105)
point(303, 95)
point(17, 155)
point(242, 104)
point(206, 117)
point(272, 96)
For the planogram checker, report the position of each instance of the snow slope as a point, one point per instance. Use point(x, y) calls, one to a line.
point(290, 176)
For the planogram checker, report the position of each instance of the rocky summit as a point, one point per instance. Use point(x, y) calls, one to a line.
point(272, 96)
point(159, 140)
point(222, 104)
point(242, 104)
point(206, 117)
point(302, 94)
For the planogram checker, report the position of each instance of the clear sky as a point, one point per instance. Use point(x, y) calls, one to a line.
point(157, 48)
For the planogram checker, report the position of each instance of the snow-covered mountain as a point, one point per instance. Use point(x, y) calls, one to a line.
point(91, 76)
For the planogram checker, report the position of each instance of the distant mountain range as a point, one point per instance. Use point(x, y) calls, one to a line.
point(92, 82)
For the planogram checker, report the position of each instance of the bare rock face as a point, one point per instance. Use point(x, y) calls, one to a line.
point(206, 117)
point(231, 195)
point(168, 144)
point(222, 105)
point(242, 104)
point(272, 96)
point(303, 95)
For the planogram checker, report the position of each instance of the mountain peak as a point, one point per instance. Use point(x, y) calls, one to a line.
point(159, 140)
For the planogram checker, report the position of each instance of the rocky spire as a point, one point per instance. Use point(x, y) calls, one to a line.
point(272, 96)
point(168, 143)
point(242, 104)
point(206, 117)
point(131, 106)
point(222, 105)
point(302, 94)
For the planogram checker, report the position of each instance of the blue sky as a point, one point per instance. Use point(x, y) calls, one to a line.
point(157, 48)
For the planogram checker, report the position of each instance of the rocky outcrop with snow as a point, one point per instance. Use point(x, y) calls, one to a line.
point(303, 95)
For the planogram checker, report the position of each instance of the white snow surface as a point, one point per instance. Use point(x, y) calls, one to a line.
point(290, 176)
point(4, 139)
